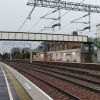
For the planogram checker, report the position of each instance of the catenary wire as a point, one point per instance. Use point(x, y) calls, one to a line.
point(21, 26)
point(34, 25)
point(63, 15)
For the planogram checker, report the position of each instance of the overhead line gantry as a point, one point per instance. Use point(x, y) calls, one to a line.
point(58, 4)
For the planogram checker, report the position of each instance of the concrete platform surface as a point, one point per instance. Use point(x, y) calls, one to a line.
point(7, 89)
point(34, 92)
point(4, 95)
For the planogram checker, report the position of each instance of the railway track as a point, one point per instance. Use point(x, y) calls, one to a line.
point(81, 74)
point(73, 65)
point(87, 83)
point(89, 70)
point(94, 86)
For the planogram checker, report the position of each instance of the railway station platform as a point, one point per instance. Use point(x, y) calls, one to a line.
point(14, 86)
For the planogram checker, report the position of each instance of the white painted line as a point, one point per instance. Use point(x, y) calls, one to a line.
point(27, 85)
point(8, 87)
point(34, 85)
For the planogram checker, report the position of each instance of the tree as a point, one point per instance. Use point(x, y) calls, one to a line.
point(5, 55)
point(26, 53)
point(18, 53)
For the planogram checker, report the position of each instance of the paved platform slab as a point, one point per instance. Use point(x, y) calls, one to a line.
point(8, 89)
point(3, 87)
point(34, 92)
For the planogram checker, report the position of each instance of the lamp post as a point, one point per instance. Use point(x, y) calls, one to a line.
point(10, 56)
point(30, 53)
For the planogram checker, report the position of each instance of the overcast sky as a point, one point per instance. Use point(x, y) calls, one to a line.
point(14, 12)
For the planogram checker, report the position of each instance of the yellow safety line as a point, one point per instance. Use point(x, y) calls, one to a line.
point(23, 95)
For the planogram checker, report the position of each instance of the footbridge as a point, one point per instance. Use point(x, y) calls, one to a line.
point(27, 36)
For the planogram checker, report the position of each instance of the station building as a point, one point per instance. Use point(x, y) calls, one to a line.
point(62, 52)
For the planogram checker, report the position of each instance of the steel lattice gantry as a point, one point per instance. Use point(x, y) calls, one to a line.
point(58, 4)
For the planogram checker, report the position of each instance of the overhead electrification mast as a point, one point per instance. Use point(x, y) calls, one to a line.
point(59, 4)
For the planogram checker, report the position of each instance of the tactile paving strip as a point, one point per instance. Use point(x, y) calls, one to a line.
point(20, 90)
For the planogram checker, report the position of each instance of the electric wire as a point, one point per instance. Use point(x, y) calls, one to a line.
point(21, 26)
point(34, 25)
point(68, 12)
point(49, 13)
point(37, 22)
point(29, 17)
point(70, 23)
point(63, 15)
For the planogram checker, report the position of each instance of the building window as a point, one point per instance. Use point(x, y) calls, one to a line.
point(61, 55)
point(73, 53)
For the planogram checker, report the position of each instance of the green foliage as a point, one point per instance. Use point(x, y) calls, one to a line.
point(5, 56)
point(18, 53)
